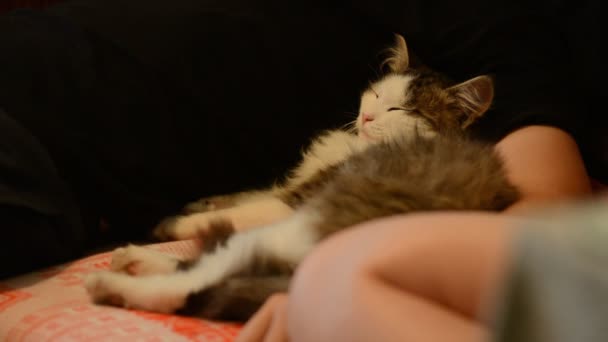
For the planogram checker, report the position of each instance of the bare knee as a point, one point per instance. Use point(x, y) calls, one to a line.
point(337, 287)
point(322, 303)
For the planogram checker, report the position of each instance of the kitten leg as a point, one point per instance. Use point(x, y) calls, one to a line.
point(150, 293)
point(286, 242)
point(244, 216)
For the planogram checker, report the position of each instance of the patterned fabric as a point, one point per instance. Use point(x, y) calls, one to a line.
point(52, 305)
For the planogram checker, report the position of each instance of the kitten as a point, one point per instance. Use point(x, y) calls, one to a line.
point(408, 151)
point(403, 103)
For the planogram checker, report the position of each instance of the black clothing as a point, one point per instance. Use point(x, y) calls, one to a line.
point(41, 223)
point(545, 55)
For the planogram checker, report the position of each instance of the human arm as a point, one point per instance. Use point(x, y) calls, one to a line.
point(545, 164)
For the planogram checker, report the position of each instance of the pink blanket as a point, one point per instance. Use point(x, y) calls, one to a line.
point(52, 305)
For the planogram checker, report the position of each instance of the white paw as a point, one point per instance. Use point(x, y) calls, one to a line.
point(200, 206)
point(97, 286)
point(212, 203)
point(141, 261)
point(157, 294)
point(183, 227)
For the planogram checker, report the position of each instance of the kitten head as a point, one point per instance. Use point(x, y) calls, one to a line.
point(409, 101)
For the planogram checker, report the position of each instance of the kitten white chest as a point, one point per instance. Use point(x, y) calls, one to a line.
point(329, 149)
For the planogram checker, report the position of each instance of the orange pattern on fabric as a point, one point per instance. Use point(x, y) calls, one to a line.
point(10, 297)
point(57, 308)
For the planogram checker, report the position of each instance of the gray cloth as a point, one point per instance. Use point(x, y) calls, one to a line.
point(558, 288)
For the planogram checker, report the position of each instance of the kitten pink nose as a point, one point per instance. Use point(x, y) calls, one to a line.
point(367, 117)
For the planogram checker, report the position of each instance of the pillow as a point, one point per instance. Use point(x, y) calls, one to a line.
point(52, 305)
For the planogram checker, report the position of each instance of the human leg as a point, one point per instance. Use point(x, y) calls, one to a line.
point(31, 240)
point(103, 117)
point(418, 278)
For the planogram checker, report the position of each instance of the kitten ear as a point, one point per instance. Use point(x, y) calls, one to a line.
point(474, 97)
point(399, 58)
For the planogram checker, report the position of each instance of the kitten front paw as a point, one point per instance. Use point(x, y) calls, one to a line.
point(164, 231)
point(210, 204)
point(210, 229)
point(185, 227)
point(201, 206)
point(177, 228)
point(140, 261)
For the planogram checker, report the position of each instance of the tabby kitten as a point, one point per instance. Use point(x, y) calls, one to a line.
point(408, 151)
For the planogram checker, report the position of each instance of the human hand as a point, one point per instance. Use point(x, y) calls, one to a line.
point(269, 324)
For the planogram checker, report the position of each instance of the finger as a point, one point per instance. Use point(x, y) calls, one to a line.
point(256, 328)
point(277, 331)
